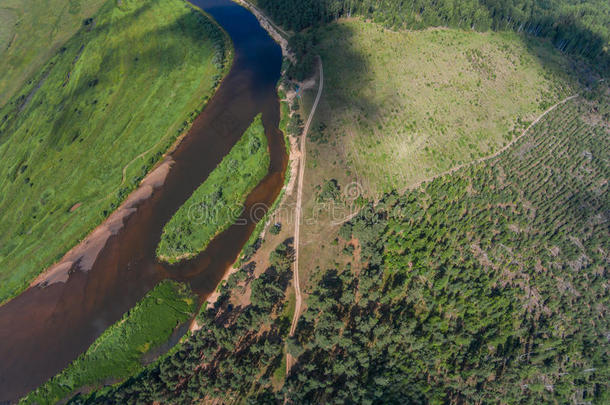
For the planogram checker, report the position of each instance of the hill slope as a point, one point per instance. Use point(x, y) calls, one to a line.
point(488, 283)
point(401, 107)
point(407, 105)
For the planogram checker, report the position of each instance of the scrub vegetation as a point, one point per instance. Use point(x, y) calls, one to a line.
point(32, 31)
point(120, 350)
point(219, 201)
point(85, 129)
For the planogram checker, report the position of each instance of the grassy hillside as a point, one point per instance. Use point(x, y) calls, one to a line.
point(83, 132)
point(8, 19)
point(120, 350)
point(33, 30)
point(219, 201)
point(400, 107)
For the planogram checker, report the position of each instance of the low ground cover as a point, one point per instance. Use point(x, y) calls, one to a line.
point(83, 132)
point(119, 351)
point(219, 201)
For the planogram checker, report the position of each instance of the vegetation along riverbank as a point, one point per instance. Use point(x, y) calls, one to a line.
point(219, 201)
point(121, 350)
point(445, 241)
point(85, 129)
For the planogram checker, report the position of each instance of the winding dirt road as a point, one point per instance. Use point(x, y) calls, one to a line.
point(297, 222)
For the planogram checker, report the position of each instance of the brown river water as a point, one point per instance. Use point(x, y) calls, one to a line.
point(53, 322)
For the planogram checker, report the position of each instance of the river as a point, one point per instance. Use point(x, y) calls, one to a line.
point(47, 326)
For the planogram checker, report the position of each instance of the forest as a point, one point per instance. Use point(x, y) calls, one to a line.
point(488, 283)
point(575, 27)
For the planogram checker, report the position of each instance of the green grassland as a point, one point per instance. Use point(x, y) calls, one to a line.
point(219, 201)
point(399, 107)
point(8, 18)
point(87, 127)
point(31, 31)
point(119, 351)
point(487, 284)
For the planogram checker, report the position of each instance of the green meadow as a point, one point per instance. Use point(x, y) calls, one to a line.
point(8, 18)
point(119, 351)
point(93, 120)
point(216, 204)
point(31, 31)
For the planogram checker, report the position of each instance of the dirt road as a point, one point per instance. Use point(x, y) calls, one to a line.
point(297, 223)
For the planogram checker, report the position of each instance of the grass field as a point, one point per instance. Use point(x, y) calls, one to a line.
point(35, 30)
point(118, 352)
point(79, 136)
point(218, 202)
point(8, 19)
point(403, 106)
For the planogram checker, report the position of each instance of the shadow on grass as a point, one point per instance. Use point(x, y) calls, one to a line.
point(343, 69)
point(572, 68)
point(67, 103)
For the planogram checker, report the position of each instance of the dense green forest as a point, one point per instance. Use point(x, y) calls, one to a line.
point(576, 27)
point(488, 283)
